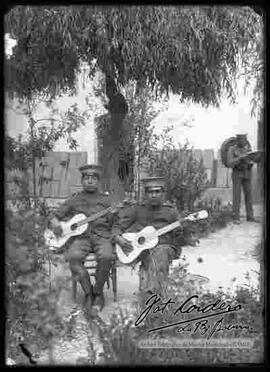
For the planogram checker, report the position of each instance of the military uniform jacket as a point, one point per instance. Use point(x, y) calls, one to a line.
point(134, 219)
point(88, 204)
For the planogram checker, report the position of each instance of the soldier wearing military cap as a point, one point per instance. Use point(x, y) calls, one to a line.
point(241, 176)
point(89, 201)
point(154, 211)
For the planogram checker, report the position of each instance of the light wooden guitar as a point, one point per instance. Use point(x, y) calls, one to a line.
point(147, 238)
point(77, 225)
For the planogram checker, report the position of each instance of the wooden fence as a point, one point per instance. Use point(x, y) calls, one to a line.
point(57, 174)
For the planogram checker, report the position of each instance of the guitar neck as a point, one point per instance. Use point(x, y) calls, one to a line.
point(174, 225)
point(102, 213)
point(166, 229)
point(95, 216)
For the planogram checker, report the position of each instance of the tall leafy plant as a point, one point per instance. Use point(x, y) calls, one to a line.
point(185, 174)
point(21, 154)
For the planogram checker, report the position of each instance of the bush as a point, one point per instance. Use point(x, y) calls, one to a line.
point(123, 336)
point(31, 302)
point(218, 218)
point(185, 174)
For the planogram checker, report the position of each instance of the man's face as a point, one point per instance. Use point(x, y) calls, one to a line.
point(242, 141)
point(154, 196)
point(90, 182)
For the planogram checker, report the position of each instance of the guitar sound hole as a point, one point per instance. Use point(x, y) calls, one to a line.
point(141, 240)
point(73, 227)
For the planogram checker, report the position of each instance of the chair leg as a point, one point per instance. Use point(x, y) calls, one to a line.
point(74, 288)
point(114, 283)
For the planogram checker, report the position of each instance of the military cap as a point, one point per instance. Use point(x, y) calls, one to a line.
point(241, 135)
point(91, 168)
point(154, 183)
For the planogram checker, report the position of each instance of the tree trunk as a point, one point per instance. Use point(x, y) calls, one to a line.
point(261, 146)
point(117, 108)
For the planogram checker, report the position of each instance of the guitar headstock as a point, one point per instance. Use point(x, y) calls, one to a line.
point(200, 215)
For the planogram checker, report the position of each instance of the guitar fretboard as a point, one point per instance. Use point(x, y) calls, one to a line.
point(96, 216)
point(166, 229)
point(194, 216)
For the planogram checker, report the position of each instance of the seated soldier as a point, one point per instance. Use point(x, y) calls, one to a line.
point(95, 239)
point(155, 212)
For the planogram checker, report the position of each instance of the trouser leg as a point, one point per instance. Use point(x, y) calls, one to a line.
point(75, 255)
point(248, 197)
point(104, 253)
point(236, 195)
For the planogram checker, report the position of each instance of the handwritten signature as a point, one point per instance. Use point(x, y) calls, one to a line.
point(197, 323)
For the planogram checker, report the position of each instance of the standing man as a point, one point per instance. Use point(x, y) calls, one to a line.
point(156, 212)
point(241, 176)
point(96, 238)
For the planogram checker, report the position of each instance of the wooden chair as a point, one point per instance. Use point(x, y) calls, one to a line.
point(90, 264)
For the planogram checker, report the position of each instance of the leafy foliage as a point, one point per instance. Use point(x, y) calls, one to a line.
point(185, 175)
point(189, 50)
point(22, 153)
point(121, 336)
point(42, 138)
point(137, 134)
point(218, 217)
point(32, 314)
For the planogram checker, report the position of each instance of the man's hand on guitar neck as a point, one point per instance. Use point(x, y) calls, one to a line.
point(124, 244)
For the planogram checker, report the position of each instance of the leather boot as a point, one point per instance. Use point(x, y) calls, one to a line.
point(88, 290)
point(99, 301)
point(102, 273)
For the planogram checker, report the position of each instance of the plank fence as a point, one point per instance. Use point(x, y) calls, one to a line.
point(58, 177)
